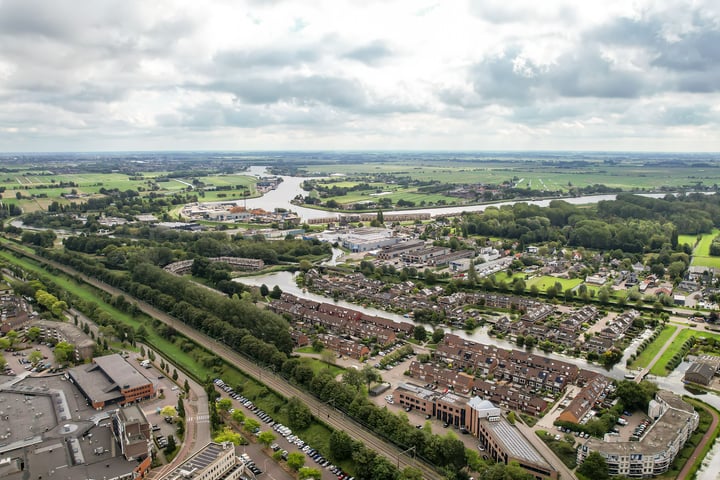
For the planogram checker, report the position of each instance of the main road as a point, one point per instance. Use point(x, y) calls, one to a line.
point(324, 413)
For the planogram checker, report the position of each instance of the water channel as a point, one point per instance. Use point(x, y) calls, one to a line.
point(286, 282)
point(673, 382)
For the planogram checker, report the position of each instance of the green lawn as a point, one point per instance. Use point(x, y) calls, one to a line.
point(644, 359)
point(689, 239)
point(701, 253)
point(659, 367)
point(545, 281)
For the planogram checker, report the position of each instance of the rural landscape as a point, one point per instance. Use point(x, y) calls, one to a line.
point(415, 316)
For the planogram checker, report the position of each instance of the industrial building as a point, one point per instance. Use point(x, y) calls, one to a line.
point(110, 380)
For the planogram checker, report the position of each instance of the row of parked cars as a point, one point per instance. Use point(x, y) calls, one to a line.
point(286, 432)
point(640, 429)
point(249, 464)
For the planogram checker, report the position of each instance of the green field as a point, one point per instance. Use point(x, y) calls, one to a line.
point(689, 239)
point(45, 187)
point(659, 367)
point(544, 282)
point(644, 359)
point(530, 173)
point(701, 254)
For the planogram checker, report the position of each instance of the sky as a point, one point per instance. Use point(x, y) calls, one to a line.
point(607, 75)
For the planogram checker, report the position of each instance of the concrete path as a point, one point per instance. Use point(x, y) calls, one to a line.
point(659, 355)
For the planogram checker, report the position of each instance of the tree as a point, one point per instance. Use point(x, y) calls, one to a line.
point(3, 362)
point(438, 335)
point(410, 473)
point(12, 336)
point(227, 435)
point(341, 445)
point(299, 415)
point(266, 438)
point(419, 333)
point(275, 293)
point(308, 473)
point(635, 396)
point(174, 375)
point(251, 424)
point(224, 404)
point(296, 460)
point(64, 352)
point(317, 346)
point(168, 411)
point(33, 334)
point(264, 290)
point(238, 416)
point(594, 467)
point(142, 351)
point(35, 356)
point(170, 445)
point(181, 407)
point(186, 386)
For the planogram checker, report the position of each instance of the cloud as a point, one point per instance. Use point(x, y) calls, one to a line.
point(370, 53)
point(336, 74)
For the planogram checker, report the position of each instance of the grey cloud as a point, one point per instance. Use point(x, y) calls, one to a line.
point(264, 58)
point(334, 91)
point(585, 74)
point(371, 53)
point(311, 91)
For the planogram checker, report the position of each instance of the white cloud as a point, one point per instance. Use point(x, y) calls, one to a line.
point(338, 74)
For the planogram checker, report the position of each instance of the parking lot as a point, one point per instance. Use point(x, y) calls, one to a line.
point(285, 441)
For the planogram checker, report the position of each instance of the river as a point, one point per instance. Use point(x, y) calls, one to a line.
point(291, 187)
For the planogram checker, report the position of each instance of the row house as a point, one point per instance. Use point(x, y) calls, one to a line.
point(538, 313)
point(598, 344)
point(509, 397)
point(444, 378)
point(344, 347)
point(585, 400)
point(616, 328)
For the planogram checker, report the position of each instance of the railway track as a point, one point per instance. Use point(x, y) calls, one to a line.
point(329, 415)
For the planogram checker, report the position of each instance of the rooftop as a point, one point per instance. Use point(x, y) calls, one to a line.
point(660, 434)
point(514, 443)
point(103, 379)
point(199, 461)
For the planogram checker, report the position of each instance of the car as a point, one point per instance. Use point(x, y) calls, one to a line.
point(464, 431)
point(445, 425)
point(418, 426)
point(174, 388)
point(407, 409)
point(160, 377)
point(428, 416)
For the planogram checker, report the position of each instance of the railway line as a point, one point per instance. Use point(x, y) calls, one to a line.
point(323, 412)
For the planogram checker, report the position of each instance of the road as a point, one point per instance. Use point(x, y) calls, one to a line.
point(705, 439)
point(328, 415)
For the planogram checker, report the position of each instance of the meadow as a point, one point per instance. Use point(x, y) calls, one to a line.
point(701, 254)
point(659, 367)
point(544, 282)
point(532, 173)
point(643, 360)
